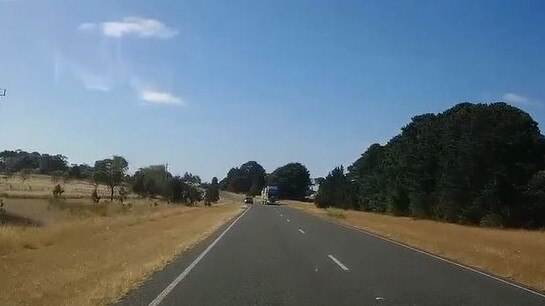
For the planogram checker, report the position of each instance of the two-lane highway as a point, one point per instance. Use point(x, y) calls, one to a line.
point(275, 255)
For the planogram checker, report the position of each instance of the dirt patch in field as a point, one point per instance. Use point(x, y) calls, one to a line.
point(513, 254)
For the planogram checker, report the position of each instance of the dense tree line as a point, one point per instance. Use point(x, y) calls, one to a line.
point(249, 178)
point(472, 164)
point(157, 181)
point(112, 172)
point(21, 161)
point(18, 160)
point(293, 180)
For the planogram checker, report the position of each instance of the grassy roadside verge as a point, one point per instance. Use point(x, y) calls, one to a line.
point(97, 260)
point(512, 254)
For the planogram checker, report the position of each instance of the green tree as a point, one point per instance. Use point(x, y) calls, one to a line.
point(111, 172)
point(190, 178)
point(81, 171)
point(181, 191)
point(212, 194)
point(49, 163)
point(15, 161)
point(248, 178)
point(532, 210)
point(293, 179)
point(255, 176)
point(151, 181)
point(333, 190)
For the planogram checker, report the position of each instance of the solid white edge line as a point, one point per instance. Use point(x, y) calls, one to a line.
point(182, 275)
point(442, 259)
point(302, 231)
point(340, 264)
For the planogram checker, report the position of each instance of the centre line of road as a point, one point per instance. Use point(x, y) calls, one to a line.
point(340, 264)
point(302, 231)
point(182, 275)
point(288, 220)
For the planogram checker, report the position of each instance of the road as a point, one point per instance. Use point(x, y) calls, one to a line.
point(276, 255)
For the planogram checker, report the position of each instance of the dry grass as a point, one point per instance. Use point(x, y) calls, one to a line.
point(40, 187)
point(31, 199)
point(51, 211)
point(95, 260)
point(335, 213)
point(514, 254)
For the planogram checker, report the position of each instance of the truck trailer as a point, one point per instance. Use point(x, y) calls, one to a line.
point(269, 195)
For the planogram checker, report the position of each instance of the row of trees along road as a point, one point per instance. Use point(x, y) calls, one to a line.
point(111, 172)
point(157, 181)
point(20, 161)
point(472, 164)
point(293, 179)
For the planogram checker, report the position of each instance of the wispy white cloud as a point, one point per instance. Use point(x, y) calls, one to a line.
point(136, 26)
point(514, 98)
point(89, 79)
point(87, 26)
point(158, 97)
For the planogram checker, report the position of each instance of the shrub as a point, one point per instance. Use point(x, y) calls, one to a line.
point(95, 196)
point(492, 220)
point(57, 191)
point(335, 213)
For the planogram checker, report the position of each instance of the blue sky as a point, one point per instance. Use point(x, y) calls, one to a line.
point(208, 85)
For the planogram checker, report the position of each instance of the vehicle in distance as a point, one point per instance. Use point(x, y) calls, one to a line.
point(269, 195)
point(248, 200)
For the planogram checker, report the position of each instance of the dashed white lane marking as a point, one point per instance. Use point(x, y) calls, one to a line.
point(288, 220)
point(182, 275)
point(340, 264)
point(302, 231)
point(281, 215)
point(444, 260)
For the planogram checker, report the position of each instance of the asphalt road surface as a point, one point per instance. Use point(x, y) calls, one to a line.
point(276, 255)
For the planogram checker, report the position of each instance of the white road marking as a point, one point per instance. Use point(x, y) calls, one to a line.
point(340, 264)
point(288, 220)
point(182, 275)
point(302, 231)
point(443, 259)
point(281, 215)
